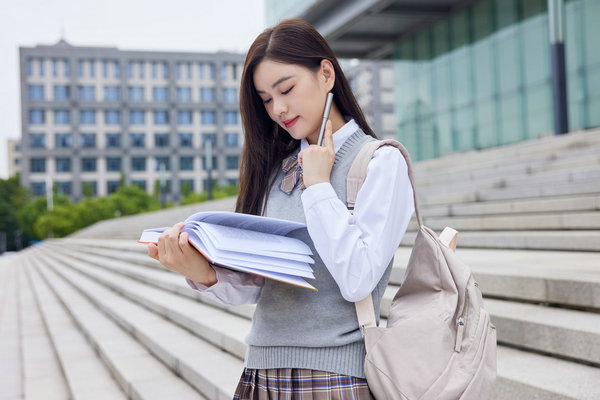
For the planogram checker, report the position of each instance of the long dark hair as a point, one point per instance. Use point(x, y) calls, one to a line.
point(292, 41)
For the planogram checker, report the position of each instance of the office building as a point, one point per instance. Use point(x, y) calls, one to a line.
point(372, 83)
point(470, 74)
point(91, 115)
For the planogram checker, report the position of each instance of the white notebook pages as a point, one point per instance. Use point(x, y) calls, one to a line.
point(248, 243)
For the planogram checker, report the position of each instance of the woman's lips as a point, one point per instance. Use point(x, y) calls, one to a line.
point(290, 122)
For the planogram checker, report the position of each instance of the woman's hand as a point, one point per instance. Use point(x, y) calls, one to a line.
point(316, 161)
point(175, 252)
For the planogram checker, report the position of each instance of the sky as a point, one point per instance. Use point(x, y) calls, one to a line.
point(173, 25)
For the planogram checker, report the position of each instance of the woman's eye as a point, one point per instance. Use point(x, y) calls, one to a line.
point(287, 91)
point(266, 101)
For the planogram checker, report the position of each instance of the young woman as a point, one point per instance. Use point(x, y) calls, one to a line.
point(302, 342)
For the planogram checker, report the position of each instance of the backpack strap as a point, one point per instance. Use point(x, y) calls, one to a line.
point(358, 172)
point(365, 310)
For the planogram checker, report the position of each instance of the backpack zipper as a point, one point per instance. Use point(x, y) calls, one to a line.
point(461, 322)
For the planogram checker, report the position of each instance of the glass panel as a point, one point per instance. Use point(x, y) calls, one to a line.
point(591, 15)
point(536, 50)
point(510, 114)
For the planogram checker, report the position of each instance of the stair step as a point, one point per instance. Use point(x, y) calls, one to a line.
point(524, 206)
point(185, 353)
point(135, 369)
point(11, 384)
point(556, 277)
point(86, 376)
point(526, 240)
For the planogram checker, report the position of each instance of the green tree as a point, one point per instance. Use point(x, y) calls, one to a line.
point(13, 197)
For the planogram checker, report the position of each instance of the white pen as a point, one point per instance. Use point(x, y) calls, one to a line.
point(325, 117)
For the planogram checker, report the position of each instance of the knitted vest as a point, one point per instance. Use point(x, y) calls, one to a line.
point(295, 327)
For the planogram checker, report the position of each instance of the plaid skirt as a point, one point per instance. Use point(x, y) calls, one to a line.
point(299, 384)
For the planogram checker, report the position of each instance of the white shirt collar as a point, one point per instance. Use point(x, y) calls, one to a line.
point(339, 136)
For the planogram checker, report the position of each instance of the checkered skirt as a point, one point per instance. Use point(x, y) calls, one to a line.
point(299, 384)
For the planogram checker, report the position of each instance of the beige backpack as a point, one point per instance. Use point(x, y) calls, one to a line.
point(439, 342)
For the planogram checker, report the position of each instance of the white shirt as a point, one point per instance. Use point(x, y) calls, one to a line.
point(356, 249)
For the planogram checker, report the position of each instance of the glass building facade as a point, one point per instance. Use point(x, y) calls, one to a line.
point(482, 77)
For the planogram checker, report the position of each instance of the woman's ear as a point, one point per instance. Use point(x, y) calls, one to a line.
point(327, 73)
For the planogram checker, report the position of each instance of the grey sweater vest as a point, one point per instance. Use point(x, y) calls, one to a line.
point(295, 327)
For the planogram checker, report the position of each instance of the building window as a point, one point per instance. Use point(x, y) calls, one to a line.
point(41, 65)
point(138, 164)
point(112, 186)
point(92, 68)
point(161, 117)
point(165, 70)
point(113, 164)
point(87, 140)
point(186, 186)
point(153, 70)
point(80, 68)
point(224, 72)
point(37, 140)
point(88, 164)
point(141, 67)
point(177, 70)
point(112, 93)
point(63, 164)
point(160, 94)
point(186, 163)
point(200, 71)
point(130, 69)
point(136, 93)
point(113, 140)
point(162, 161)
point(184, 117)
point(161, 140)
point(231, 140)
point(67, 65)
point(38, 165)
point(209, 137)
point(29, 66)
point(211, 71)
point(231, 162)
point(87, 117)
point(63, 140)
point(229, 95)
point(38, 188)
point(37, 117)
point(139, 182)
point(189, 70)
point(62, 117)
point(208, 117)
point(207, 95)
point(61, 92)
point(138, 140)
point(36, 92)
point(184, 95)
point(87, 93)
point(105, 68)
point(186, 140)
point(137, 117)
point(63, 188)
point(231, 117)
point(117, 69)
point(112, 117)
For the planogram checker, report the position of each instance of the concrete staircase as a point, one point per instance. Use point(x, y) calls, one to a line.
point(91, 316)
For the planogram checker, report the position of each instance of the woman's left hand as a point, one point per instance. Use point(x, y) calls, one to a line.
point(316, 161)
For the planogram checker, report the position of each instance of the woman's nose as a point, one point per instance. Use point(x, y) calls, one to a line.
point(279, 107)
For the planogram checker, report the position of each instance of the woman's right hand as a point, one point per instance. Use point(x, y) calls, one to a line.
point(175, 252)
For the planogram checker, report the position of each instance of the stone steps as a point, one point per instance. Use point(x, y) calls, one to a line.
point(152, 317)
point(546, 322)
point(226, 329)
point(578, 240)
point(53, 344)
point(138, 373)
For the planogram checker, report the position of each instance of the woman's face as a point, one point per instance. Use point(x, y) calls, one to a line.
point(294, 96)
